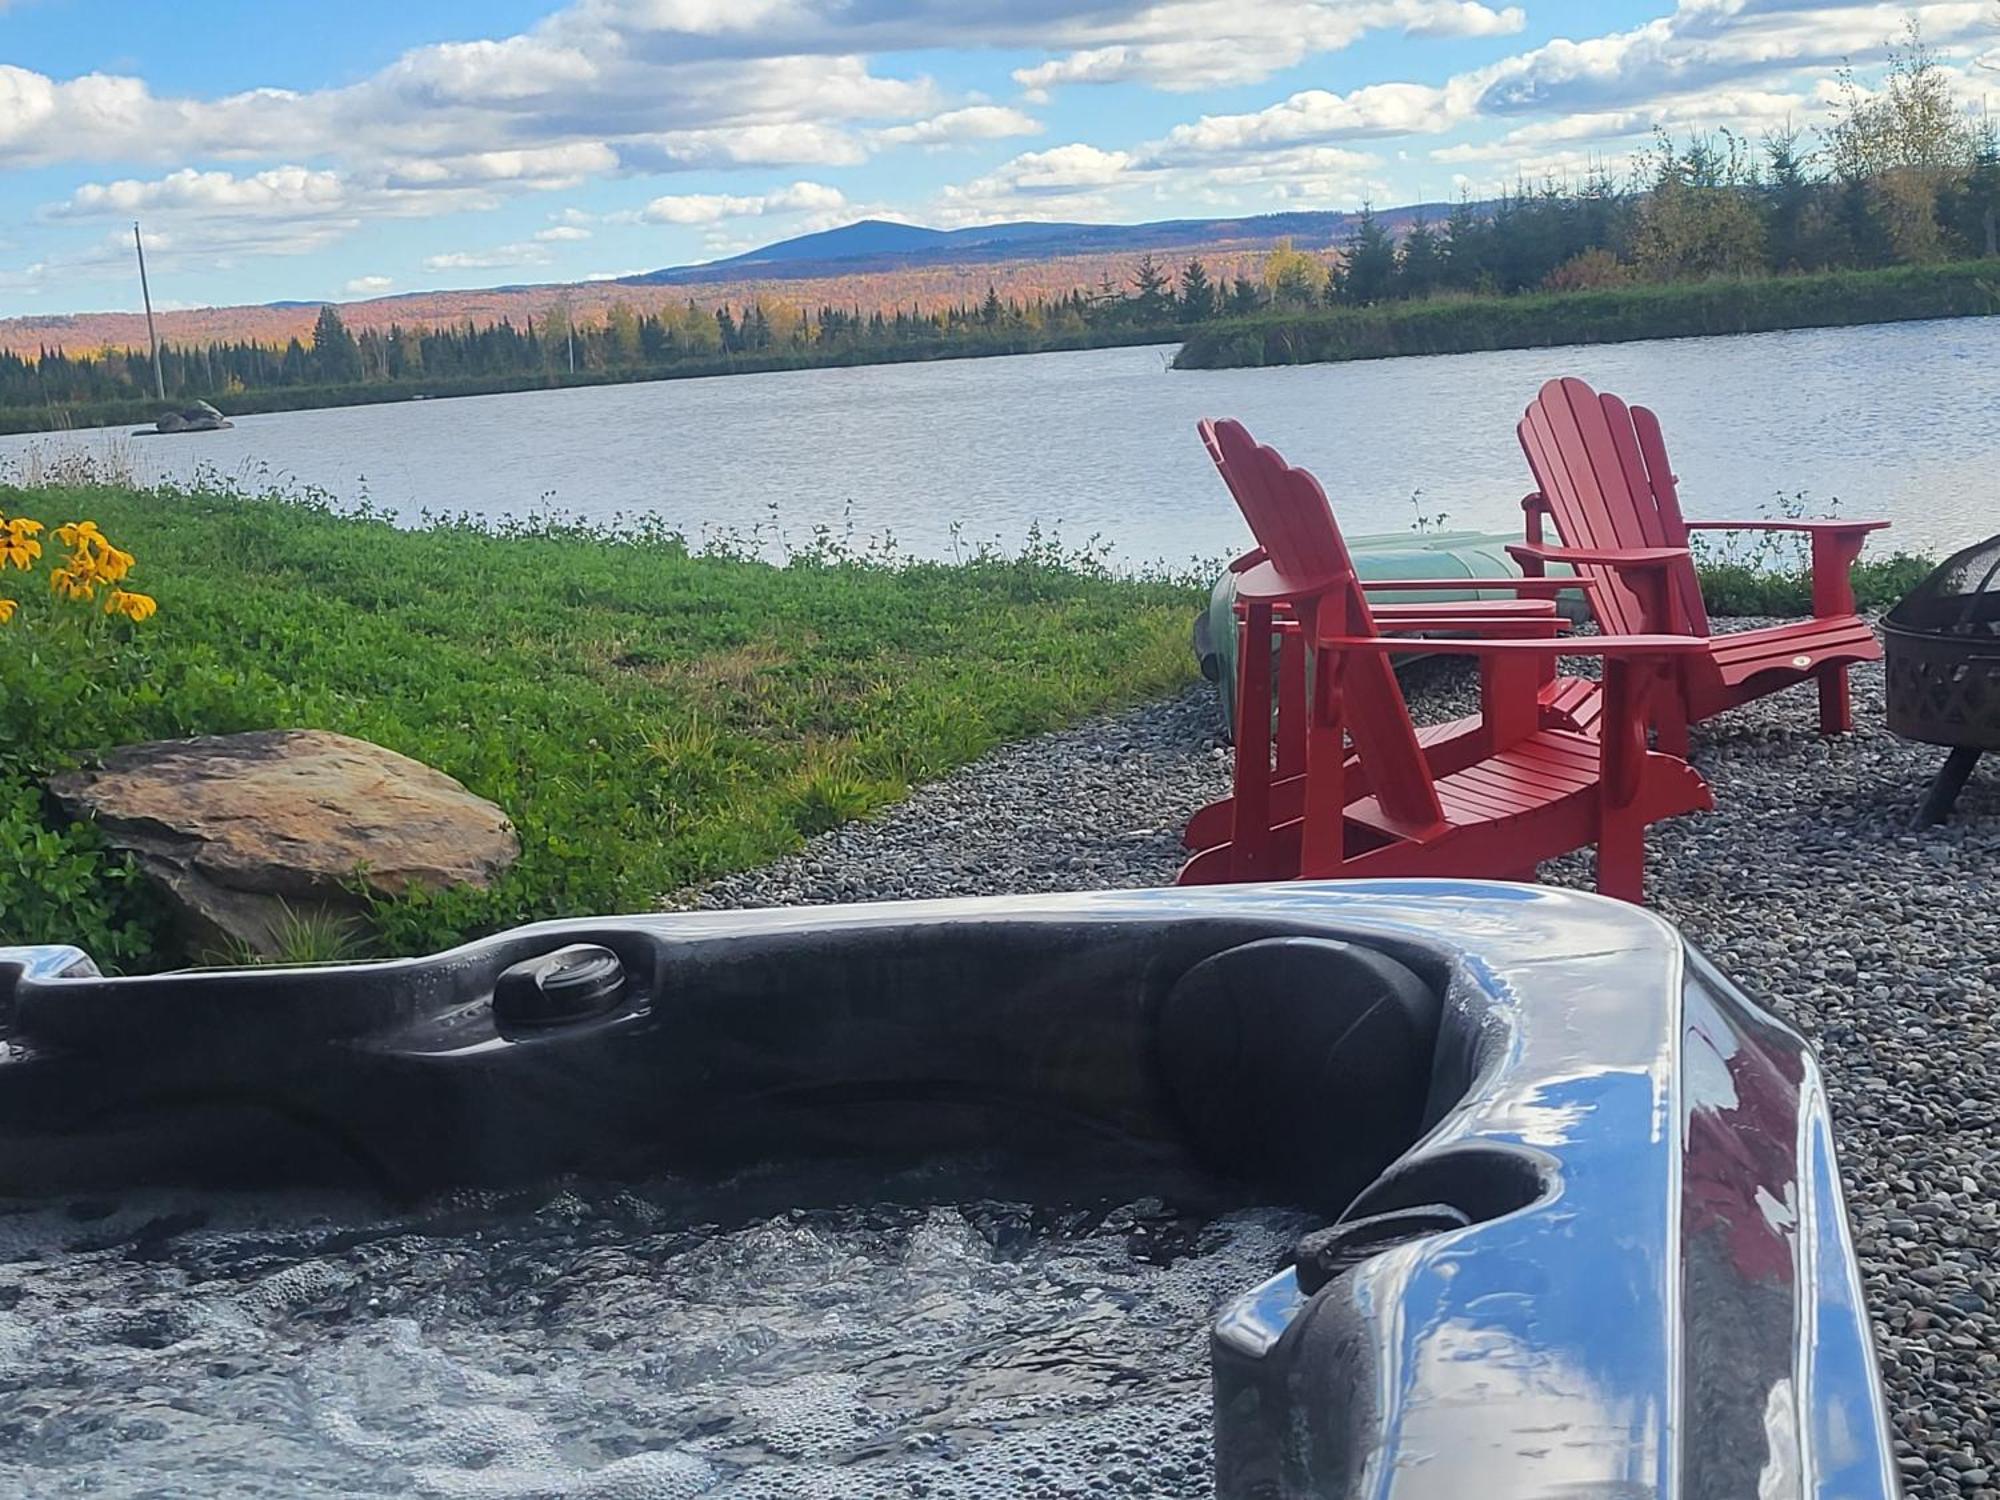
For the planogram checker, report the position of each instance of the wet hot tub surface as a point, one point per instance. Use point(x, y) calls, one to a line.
point(1586, 1234)
point(967, 1334)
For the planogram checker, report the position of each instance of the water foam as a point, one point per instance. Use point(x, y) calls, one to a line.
point(616, 1343)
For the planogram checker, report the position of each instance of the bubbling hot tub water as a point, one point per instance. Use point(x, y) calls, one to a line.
point(962, 1335)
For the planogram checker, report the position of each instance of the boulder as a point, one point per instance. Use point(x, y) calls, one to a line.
point(241, 829)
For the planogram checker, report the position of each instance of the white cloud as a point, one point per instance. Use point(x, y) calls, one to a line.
point(712, 208)
point(796, 143)
point(521, 254)
point(562, 233)
point(368, 286)
point(1705, 44)
point(540, 168)
point(280, 190)
point(977, 122)
point(1080, 181)
point(1197, 44)
point(1315, 115)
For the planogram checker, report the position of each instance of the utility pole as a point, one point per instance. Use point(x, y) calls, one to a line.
point(146, 292)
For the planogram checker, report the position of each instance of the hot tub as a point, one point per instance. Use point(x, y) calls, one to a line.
point(1568, 1208)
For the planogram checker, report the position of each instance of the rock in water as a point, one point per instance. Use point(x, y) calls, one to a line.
point(239, 829)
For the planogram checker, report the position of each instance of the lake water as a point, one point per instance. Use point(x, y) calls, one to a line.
point(1898, 420)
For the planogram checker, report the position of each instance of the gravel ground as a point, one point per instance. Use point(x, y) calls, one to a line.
point(1807, 886)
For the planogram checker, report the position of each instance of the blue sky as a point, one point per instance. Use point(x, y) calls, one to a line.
point(310, 150)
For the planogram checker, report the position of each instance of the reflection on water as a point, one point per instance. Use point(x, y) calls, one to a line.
point(619, 1343)
point(1899, 420)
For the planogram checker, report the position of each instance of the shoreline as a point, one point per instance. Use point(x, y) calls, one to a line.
point(1615, 315)
point(1391, 330)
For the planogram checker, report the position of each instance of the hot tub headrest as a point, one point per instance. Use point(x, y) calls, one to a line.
point(1300, 1063)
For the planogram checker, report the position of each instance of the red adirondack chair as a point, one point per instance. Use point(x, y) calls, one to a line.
point(1564, 702)
point(1605, 480)
point(1493, 802)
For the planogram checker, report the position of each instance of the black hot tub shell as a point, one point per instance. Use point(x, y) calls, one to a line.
point(1586, 1229)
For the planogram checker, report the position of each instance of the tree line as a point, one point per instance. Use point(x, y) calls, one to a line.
point(1900, 176)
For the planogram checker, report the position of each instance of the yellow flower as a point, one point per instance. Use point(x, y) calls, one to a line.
point(17, 542)
point(7, 608)
point(74, 582)
point(134, 607)
point(79, 534)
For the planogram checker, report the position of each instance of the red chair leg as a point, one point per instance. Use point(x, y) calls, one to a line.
point(1836, 703)
point(1670, 727)
point(1621, 858)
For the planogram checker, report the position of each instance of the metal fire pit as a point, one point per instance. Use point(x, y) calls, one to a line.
point(1941, 646)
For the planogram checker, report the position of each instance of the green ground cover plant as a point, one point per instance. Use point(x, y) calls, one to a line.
point(647, 718)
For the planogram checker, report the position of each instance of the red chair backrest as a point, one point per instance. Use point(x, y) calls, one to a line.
point(1292, 521)
point(1602, 468)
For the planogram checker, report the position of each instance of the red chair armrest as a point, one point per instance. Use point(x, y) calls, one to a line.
point(1608, 557)
point(1248, 560)
point(1469, 625)
point(1264, 582)
point(1620, 646)
point(1537, 587)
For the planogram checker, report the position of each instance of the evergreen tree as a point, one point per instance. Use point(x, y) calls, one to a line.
point(1153, 298)
point(1422, 267)
point(1244, 298)
point(1197, 294)
point(336, 358)
point(1463, 252)
point(1367, 272)
point(1975, 202)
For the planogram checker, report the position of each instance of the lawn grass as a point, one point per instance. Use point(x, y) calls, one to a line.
point(647, 718)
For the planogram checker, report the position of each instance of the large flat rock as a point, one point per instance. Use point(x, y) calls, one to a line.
point(237, 828)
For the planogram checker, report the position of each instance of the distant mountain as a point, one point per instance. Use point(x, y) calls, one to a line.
point(879, 245)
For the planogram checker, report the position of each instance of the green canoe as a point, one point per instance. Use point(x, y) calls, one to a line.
point(1438, 554)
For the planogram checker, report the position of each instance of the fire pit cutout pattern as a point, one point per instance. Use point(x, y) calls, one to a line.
point(1942, 662)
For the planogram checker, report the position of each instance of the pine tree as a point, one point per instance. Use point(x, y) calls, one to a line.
point(1464, 249)
point(1153, 299)
point(1197, 295)
point(1244, 298)
point(1367, 272)
point(1422, 266)
point(336, 358)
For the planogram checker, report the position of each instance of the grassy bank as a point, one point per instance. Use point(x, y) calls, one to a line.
point(1463, 325)
point(648, 719)
point(70, 416)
